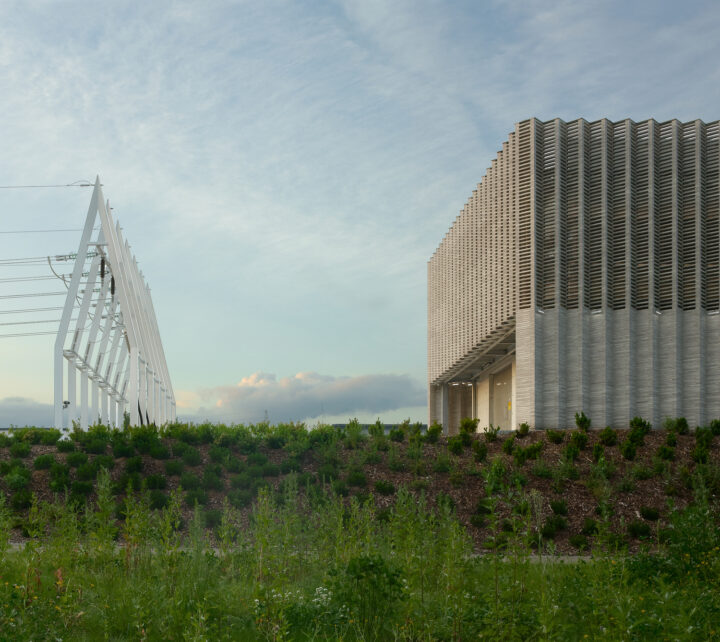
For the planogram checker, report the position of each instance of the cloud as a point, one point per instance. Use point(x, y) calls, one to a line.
point(20, 411)
point(309, 395)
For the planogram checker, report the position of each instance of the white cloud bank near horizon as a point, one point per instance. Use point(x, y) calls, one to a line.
point(305, 396)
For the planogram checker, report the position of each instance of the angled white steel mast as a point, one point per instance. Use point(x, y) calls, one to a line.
point(115, 343)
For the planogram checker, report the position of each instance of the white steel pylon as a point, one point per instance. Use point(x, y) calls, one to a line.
point(115, 344)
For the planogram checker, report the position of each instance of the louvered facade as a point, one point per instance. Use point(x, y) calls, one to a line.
point(582, 274)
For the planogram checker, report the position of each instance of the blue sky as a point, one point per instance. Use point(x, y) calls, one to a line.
point(283, 170)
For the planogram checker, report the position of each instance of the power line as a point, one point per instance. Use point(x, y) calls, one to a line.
point(75, 184)
point(27, 310)
point(37, 231)
point(25, 296)
point(17, 279)
point(32, 322)
point(26, 334)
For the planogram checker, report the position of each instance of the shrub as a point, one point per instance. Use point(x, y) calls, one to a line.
point(650, 513)
point(122, 448)
point(455, 445)
point(65, 446)
point(59, 477)
point(552, 525)
point(626, 484)
point(582, 421)
point(18, 478)
point(43, 462)
point(81, 488)
point(159, 451)
point(589, 527)
point(480, 450)
point(292, 464)
point(579, 541)
point(441, 464)
point(212, 518)
point(240, 497)
point(468, 427)
point(579, 439)
point(243, 480)
point(715, 427)
point(50, 437)
point(134, 464)
point(20, 449)
point(196, 496)
point(433, 433)
point(559, 506)
point(340, 488)
point(457, 477)
point(87, 472)
point(483, 506)
point(555, 436)
point(521, 455)
point(541, 469)
point(637, 529)
point(76, 459)
point(275, 442)
point(235, 465)
point(491, 433)
point(700, 454)
point(212, 481)
point(356, 478)
point(478, 521)
point(192, 457)
point(396, 434)
point(671, 439)
point(523, 430)
point(189, 481)
point(608, 436)
point(271, 470)
point(703, 436)
point(678, 425)
point(131, 480)
point(104, 461)
point(571, 452)
point(384, 487)
point(174, 468)
point(628, 450)
point(219, 454)
point(158, 499)
point(640, 424)
point(598, 452)
point(95, 446)
point(155, 482)
point(508, 445)
point(642, 472)
point(179, 448)
point(21, 500)
point(666, 452)
point(443, 500)
point(326, 472)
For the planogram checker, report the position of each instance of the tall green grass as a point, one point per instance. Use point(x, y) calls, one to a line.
point(317, 567)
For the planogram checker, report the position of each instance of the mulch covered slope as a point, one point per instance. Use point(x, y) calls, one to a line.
point(621, 491)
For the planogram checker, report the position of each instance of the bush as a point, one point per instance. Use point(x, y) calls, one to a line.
point(20, 449)
point(666, 452)
point(131, 480)
point(571, 452)
point(579, 541)
point(271, 470)
point(441, 464)
point(104, 461)
point(219, 454)
point(433, 433)
point(59, 477)
point(480, 450)
point(212, 518)
point(356, 478)
point(18, 479)
point(678, 425)
point(122, 448)
point(95, 446)
point(637, 529)
point(212, 481)
point(384, 487)
point(598, 452)
point(555, 436)
point(608, 436)
point(457, 477)
point(87, 472)
point(521, 455)
point(671, 439)
point(65, 446)
point(134, 464)
point(455, 445)
point(491, 433)
point(552, 525)
point(158, 499)
point(559, 506)
point(174, 468)
point(582, 421)
point(649, 513)
point(638, 423)
point(715, 427)
point(703, 436)
point(579, 439)
point(189, 481)
point(700, 454)
point(508, 445)
point(196, 496)
point(396, 434)
point(257, 459)
point(21, 500)
point(340, 488)
point(192, 457)
point(81, 488)
point(159, 451)
point(156, 482)
point(240, 497)
point(628, 450)
point(589, 527)
point(76, 459)
point(43, 462)
point(541, 470)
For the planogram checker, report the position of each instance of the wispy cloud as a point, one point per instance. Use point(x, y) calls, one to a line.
point(309, 395)
point(19, 411)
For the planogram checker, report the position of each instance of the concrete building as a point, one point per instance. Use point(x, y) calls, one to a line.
point(582, 274)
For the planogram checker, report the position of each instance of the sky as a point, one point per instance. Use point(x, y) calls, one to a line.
point(283, 170)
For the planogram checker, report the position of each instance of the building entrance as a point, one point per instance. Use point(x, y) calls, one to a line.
point(501, 399)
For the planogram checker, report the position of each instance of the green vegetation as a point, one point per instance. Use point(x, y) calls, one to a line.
point(277, 532)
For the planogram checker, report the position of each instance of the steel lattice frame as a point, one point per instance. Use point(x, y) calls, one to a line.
point(120, 353)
